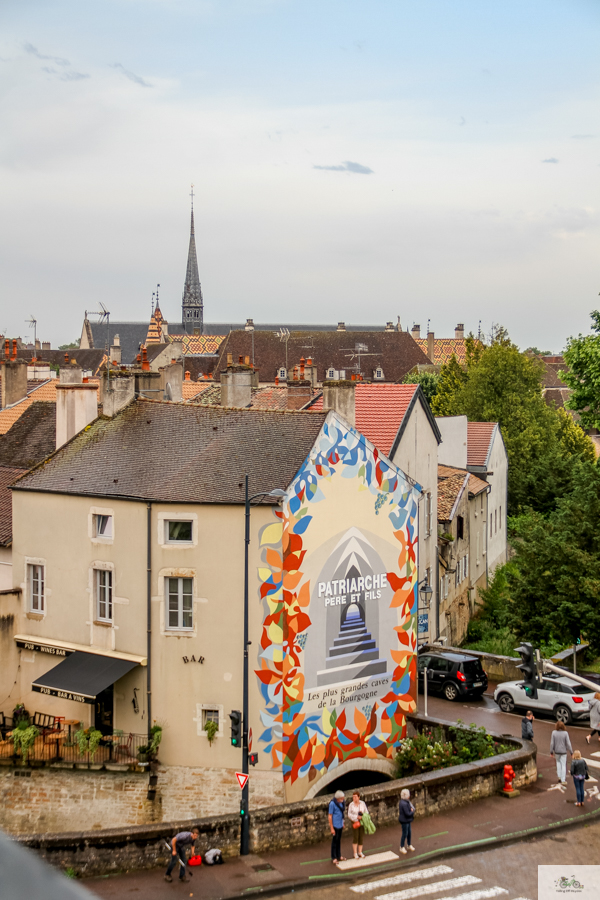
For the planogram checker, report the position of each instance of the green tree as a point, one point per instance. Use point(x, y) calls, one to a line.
point(554, 583)
point(451, 381)
point(74, 345)
point(582, 357)
point(427, 380)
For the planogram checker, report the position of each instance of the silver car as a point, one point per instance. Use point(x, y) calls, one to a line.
point(560, 695)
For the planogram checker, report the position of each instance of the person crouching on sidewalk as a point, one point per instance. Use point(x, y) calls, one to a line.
point(179, 846)
point(405, 817)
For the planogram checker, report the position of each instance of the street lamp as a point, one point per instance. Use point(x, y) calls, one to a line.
point(426, 593)
point(245, 815)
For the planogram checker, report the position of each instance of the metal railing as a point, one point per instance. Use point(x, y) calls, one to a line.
point(60, 745)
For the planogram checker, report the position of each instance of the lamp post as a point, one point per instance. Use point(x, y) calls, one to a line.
point(245, 815)
point(426, 593)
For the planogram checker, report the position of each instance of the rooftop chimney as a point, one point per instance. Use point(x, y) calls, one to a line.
point(431, 346)
point(172, 379)
point(14, 381)
point(341, 397)
point(116, 392)
point(115, 351)
point(389, 326)
point(341, 326)
point(459, 332)
point(46, 345)
point(236, 387)
point(416, 332)
point(188, 376)
point(249, 326)
point(76, 407)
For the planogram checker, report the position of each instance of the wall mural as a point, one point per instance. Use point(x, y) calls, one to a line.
point(339, 586)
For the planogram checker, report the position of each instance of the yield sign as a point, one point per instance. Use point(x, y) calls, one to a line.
point(242, 779)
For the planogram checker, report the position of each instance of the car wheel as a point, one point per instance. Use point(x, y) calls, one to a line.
point(563, 714)
point(506, 703)
point(450, 691)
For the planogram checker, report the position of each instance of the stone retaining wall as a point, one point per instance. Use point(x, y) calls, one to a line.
point(285, 825)
point(497, 668)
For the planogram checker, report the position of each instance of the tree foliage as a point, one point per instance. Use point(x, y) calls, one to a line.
point(582, 357)
point(427, 380)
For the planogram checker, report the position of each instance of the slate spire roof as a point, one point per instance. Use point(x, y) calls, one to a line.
point(192, 307)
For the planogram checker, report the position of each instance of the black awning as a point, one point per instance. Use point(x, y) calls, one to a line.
point(82, 676)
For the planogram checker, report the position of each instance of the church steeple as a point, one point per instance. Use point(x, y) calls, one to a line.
point(192, 307)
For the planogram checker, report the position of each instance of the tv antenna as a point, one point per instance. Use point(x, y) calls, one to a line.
point(103, 315)
point(284, 335)
point(359, 350)
point(32, 321)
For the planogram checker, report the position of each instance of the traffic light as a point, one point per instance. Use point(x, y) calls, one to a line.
point(529, 669)
point(242, 809)
point(236, 728)
point(253, 759)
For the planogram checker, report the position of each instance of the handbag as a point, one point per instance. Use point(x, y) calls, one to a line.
point(368, 824)
point(356, 824)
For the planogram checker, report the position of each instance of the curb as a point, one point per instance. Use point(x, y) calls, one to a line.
point(319, 881)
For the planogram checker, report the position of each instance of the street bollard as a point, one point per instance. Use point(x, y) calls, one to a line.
point(425, 691)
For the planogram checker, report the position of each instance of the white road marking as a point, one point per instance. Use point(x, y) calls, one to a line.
point(557, 787)
point(372, 860)
point(423, 889)
point(405, 878)
point(597, 754)
point(593, 762)
point(478, 895)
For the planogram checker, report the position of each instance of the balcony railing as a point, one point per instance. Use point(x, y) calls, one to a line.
point(59, 744)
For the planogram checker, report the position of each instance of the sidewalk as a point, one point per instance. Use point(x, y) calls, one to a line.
point(539, 808)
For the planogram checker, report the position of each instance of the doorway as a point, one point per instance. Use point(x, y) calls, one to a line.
point(103, 710)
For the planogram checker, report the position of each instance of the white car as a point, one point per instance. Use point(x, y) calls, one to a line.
point(559, 694)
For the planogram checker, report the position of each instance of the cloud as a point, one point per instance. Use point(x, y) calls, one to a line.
point(29, 48)
point(65, 76)
point(348, 166)
point(130, 75)
point(551, 159)
point(582, 137)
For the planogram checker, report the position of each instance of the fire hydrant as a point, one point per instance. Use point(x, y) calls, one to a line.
point(509, 774)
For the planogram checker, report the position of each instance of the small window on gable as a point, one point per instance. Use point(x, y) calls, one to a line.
point(379, 373)
point(178, 532)
point(460, 527)
point(282, 373)
point(331, 373)
point(103, 526)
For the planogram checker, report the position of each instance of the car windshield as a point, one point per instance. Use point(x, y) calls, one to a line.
point(472, 667)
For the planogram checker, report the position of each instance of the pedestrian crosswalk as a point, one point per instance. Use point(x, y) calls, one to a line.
point(434, 889)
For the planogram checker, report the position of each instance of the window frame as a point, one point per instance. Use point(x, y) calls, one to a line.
point(108, 591)
point(180, 579)
point(109, 521)
point(34, 569)
point(176, 543)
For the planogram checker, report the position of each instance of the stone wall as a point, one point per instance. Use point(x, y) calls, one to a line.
point(58, 799)
point(284, 825)
point(497, 668)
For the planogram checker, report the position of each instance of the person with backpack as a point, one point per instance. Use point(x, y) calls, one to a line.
point(179, 845)
point(336, 826)
point(406, 814)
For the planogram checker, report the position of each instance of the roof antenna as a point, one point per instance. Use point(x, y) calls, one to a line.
point(428, 321)
point(192, 196)
point(479, 331)
point(32, 321)
point(152, 308)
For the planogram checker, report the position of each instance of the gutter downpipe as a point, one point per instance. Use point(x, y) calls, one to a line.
point(149, 618)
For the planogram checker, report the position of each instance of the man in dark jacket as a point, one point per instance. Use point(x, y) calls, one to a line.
point(527, 726)
point(406, 814)
point(179, 846)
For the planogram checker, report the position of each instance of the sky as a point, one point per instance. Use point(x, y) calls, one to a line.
point(358, 161)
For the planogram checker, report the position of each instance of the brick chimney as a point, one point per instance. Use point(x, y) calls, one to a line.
point(14, 380)
point(341, 397)
point(431, 346)
point(459, 332)
point(236, 386)
point(76, 404)
point(416, 332)
point(115, 350)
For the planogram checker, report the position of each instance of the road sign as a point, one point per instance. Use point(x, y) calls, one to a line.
point(423, 623)
point(242, 779)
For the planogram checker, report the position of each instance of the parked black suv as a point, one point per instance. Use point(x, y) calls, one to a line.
point(452, 674)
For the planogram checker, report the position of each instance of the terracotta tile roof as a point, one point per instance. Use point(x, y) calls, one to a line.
point(479, 440)
point(449, 490)
point(380, 411)
point(192, 389)
point(8, 474)
point(443, 348)
point(449, 471)
point(44, 391)
point(184, 453)
point(272, 398)
point(395, 352)
point(32, 437)
point(197, 344)
point(477, 485)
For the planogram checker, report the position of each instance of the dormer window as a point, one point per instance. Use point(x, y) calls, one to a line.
point(331, 373)
point(282, 373)
point(378, 373)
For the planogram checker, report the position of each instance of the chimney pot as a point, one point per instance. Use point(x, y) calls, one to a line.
point(416, 331)
point(431, 346)
point(188, 377)
point(459, 332)
point(230, 359)
point(277, 379)
point(247, 360)
point(14, 353)
point(389, 326)
point(7, 348)
point(341, 326)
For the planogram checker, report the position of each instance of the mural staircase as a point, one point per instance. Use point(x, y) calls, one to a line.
point(354, 653)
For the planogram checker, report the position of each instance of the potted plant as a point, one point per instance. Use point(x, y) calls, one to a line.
point(211, 728)
point(155, 738)
point(88, 740)
point(24, 736)
point(20, 714)
point(143, 753)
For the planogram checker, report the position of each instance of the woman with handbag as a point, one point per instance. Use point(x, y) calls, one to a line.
point(579, 771)
point(356, 810)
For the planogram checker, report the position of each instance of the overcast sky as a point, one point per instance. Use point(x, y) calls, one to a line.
point(432, 160)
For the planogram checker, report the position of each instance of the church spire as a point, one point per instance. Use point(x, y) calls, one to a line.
point(192, 307)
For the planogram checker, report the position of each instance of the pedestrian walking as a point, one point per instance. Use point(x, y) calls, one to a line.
point(336, 825)
point(579, 771)
point(406, 815)
point(594, 717)
point(527, 726)
point(179, 846)
point(356, 810)
point(560, 745)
